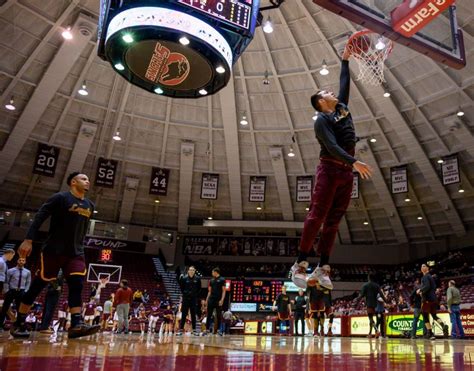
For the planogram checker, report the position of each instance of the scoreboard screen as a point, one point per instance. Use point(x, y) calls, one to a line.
point(236, 12)
point(105, 255)
point(255, 291)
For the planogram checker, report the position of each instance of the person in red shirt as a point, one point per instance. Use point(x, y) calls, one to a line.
point(122, 301)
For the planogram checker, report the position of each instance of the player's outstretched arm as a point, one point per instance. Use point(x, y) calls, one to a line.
point(345, 79)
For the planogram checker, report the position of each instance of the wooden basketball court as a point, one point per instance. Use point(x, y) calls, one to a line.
point(134, 352)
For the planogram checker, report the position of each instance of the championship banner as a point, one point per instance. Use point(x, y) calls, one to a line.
point(257, 189)
point(355, 186)
point(106, 171)
point(399, 179)
point(304, 186)
point(46, 160)
point(209, 186)
point(159, 181)
point(450, 171)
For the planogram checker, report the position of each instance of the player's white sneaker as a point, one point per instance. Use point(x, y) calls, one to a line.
point(298, 273)
point(322, 278)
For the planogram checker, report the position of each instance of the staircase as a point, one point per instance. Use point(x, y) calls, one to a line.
point(7, 245)
point(169, 280)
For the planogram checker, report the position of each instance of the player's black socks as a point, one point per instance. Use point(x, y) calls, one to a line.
point(324, 260)
point(20, 319)
point(75, 319)
point(302, 257)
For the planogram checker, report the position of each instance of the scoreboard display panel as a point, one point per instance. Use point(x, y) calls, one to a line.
point(236, 12)
point(255, 291)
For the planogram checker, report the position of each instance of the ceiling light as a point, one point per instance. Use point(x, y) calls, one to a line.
point(380, 44)
point(96, 212)
point(460, 113)
point(117, 136)
point(386, 94)
point(268, 26)
point(315, 116)
point(159, 91)
point(266, 81)
point(366, 222)
point(203, 92)
point(83, 90)
point(220, 69)
point(157, 201)
point(420, 218)
point(209, 218)
point(373, 140)
point(67, 34)
point(259, 208)
point(119, 66)
point(184, 40)
point(440, 161)
point(122, 227)
point(244, 121)
point(291, 153)
point(407, 199)
point(10, 105)
point(324, 69)
point(169, 234)
point(461, 190)
point(127, 38)
point(307, 209)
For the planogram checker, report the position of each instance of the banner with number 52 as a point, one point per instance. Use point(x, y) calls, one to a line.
point(106, 172)
point(159, 181)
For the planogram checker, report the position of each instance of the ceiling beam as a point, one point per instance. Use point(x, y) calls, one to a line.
point(185, 184)
point(281, 178)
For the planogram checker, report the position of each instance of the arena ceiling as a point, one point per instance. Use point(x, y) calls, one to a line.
point(415, 126)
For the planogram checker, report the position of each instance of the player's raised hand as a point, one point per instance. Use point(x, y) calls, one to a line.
point(363, 169)
point(346, 54)
point(25, 248)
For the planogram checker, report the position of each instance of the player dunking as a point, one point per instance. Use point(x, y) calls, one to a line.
point(332, 192)
point(63, 249)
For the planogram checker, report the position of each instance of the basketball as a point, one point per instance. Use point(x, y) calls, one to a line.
point(360, 44)
point(312, 281)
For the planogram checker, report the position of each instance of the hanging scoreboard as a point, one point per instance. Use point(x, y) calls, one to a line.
point(176, 48)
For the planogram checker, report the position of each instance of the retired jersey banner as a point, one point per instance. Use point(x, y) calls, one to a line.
point(106, 171)
point(159, 181)
point(355, 186)
point(209, 186)
point(304, 186)
point(46, 160)
point(450, 171)
point(399, 180)
point(257, 189)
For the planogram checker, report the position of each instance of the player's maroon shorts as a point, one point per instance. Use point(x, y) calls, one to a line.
point(283, 316)
point(429, 307)
point(52, 263)
point(328, 310)
point(317, 306)
point(370, 310)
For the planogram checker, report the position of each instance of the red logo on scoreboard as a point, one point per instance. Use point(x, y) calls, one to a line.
point(166, 67)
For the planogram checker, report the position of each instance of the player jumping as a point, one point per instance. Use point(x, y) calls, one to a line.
point(334, 176)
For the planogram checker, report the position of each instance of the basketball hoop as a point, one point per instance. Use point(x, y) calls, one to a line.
point(370, 51)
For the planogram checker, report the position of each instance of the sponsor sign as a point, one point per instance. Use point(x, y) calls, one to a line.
point(209, 186)
point(251, 327)
point(355, 186)
point(398, 324)
point(243, 307)
point(359, 325)
point(106, 171)
point(113, 244)
point(257, 189)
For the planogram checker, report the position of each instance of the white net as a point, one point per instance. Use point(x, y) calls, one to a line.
point(370, 50)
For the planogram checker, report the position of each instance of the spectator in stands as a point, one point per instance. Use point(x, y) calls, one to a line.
point(137, 296)
point(17, 282)
point(166, 302)
point(453, 298)
point(402, 305)
point(146, 297)
point(7, 256)
point(122, 302)
point(53, 292)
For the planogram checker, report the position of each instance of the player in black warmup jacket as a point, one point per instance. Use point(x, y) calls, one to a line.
point(63, 249)
point(190, 287)
point(215, 300)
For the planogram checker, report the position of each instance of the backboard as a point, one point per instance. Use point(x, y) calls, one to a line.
point(98, 271)
point(441, 40)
